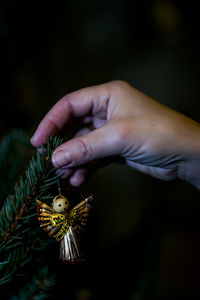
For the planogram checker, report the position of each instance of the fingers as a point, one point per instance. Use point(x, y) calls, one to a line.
point(78, 175)
point(83, 131)
point(85, 102)
point(99, 143)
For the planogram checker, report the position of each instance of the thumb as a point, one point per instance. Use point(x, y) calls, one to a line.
point(99, 143)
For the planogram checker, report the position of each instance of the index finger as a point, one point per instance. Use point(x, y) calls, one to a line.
point(84, 102)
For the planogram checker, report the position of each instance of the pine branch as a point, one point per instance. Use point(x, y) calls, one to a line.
point(17, 216)
point(39, 288)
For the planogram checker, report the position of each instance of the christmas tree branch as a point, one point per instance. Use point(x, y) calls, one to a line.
point(17, 216)
point(39, 287)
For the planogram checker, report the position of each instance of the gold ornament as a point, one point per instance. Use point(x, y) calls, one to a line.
point(64, 224)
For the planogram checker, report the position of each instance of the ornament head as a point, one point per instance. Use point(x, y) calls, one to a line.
point(60, 203)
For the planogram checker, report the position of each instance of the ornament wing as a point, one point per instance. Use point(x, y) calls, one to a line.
point(51, 221)
point(80, 213)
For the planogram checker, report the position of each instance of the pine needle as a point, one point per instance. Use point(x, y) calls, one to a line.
point(18, 213)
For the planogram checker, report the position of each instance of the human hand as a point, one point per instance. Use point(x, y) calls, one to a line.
point(149, 136)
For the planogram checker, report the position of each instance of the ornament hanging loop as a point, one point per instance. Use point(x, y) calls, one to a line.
point(59, 189)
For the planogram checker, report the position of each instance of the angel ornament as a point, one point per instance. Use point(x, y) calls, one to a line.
point(65, 224)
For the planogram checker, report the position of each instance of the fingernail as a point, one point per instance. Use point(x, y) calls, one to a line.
point(33, 140)
point(61, 158)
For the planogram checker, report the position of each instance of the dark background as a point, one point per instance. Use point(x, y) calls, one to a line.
point(146, 238)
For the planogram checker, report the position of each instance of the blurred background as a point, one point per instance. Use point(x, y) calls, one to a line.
point(145, 240)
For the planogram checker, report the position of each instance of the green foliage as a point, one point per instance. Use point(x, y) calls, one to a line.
point(39, 288)
point(19, 230)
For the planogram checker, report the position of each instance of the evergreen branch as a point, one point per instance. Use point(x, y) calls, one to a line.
point(39, 288)
point(27, 190)
point(18, 216)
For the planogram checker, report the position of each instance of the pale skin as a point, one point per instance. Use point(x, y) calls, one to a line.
point(126, 123)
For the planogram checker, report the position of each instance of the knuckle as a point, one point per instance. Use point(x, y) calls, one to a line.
point(120, 89)
point(83, 150)
point(120, 84)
